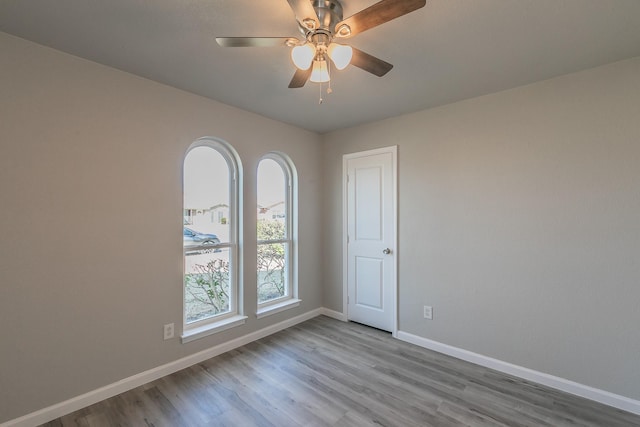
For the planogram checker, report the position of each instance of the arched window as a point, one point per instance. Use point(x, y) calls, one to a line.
point(211, 191)
point(276, 222)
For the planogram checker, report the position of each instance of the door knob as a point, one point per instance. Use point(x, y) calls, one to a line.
point(386, 251)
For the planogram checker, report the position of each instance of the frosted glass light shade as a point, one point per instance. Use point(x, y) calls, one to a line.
point(340, 55)
point(302, 56)
point(319, 74)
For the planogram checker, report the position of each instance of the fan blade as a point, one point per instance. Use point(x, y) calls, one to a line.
point(256, 41)
point(300, 78)
point(379, 13)
point(305, 14)
point(370, 63)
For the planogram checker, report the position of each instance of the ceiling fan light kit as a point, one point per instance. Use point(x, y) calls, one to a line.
point(321, 21)
point(303, 55)
point(320, 72)
point(340, 55)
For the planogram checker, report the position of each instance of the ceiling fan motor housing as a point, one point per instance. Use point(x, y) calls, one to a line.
point(329, 14)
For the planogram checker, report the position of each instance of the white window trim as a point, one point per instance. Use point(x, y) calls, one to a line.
point(291, 265)
point(270, 309)
point(234, 317)
point(202, 331)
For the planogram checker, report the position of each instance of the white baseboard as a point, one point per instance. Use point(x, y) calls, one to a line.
point(601, 396)
point(60, 409)
point(333, 314)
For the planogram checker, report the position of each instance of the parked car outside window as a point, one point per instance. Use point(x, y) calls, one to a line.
point(195, 238)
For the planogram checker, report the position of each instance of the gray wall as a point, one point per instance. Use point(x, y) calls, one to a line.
point(90, 221)
point(519, 222)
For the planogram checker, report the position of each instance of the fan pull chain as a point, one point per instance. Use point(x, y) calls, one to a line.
point(329, 90)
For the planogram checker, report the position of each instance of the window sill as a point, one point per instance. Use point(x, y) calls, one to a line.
point(212, 328)
point(277, 308)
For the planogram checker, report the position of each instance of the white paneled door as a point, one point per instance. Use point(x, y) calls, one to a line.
point(370, 199)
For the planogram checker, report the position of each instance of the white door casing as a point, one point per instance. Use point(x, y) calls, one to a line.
point(370, 237)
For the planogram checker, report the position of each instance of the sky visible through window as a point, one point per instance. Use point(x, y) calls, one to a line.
point(206, 180)
point(271, 190)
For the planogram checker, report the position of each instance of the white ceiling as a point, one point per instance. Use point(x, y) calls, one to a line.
point(447, 51)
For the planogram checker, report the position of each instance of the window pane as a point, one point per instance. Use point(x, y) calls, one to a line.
point(271, 271)
point(209, 290)
point(206, 283)
point(272, 201)
point(206, 197)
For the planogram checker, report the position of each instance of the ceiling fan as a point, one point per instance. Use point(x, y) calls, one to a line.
point(321, 22)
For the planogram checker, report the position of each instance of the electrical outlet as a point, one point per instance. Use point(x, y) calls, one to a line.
point(168, 331)
point(428, 312)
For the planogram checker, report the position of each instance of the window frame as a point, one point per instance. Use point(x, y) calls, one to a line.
point(289, 300)
point(234, 317)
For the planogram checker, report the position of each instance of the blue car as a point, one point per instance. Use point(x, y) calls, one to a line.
point(195, 238)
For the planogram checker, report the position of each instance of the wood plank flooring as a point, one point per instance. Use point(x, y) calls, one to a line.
point(328, 373)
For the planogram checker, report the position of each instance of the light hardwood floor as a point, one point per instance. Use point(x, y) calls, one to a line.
point(328, 373)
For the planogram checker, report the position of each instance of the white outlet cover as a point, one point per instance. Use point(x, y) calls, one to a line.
point(168, 331)
point(428, 312)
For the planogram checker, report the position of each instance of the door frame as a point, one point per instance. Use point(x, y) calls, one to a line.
point(393, 150)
